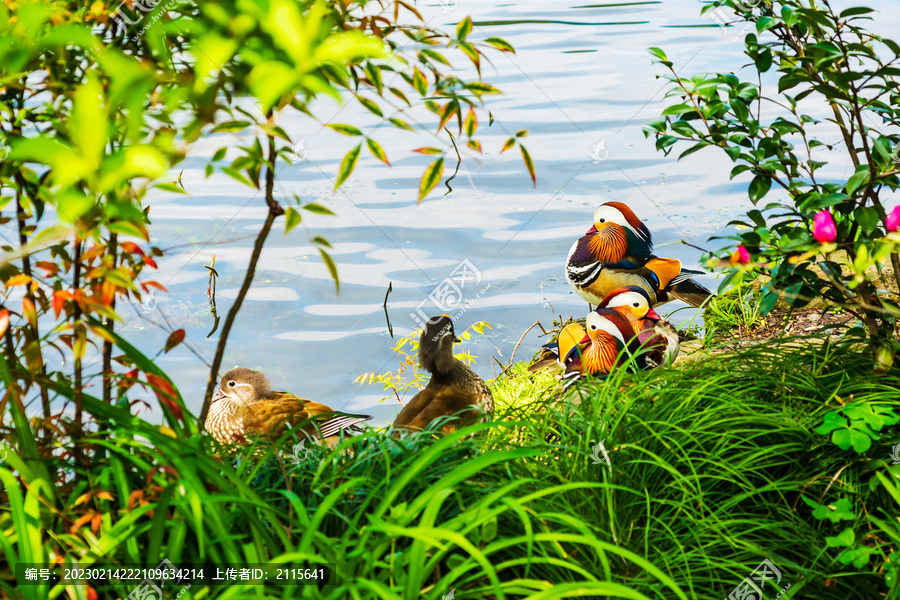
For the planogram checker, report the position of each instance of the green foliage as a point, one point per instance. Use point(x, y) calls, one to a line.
point(857, 424)
point(830, 58)
point(707, 467)
point(734, 312)
point(407, 377)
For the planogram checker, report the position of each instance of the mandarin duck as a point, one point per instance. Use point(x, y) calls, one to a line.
point(607, 343)
point(244, 406)
point(658, 340)
point(658, 343)
point(617, 251)
point(454, 388)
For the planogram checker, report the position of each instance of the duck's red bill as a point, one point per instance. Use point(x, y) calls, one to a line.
point(593, 229)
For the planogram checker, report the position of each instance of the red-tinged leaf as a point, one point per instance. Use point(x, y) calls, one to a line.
point(104, 495)
point(165, 393)
point(449, 110)
point(131, 248)
point(49, 268)
point(57, 302)
point(28, 311)
point(370, 105)
point(473, 54)
point(154, 284)
point(529, 164)
point(344, 129)
point(4, 321)
point(96, 522)
point(149, 261)
point(161, 386)
point(500, 44)
point(80, 523)
point(175, 338)
point(135, 496)
point(431, 177)
point(91, 593)
point(20, 279)
point(471, 123)
point(428, 150)
point(400, 95)
point(401, 124)
point(474, 145)
point(82, 498)
point(347, 166)
point(508, 144)
point(377, 151)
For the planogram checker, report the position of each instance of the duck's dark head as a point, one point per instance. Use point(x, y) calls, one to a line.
point(242, 386)
point(436, 345)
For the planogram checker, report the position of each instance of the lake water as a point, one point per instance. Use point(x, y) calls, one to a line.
point(581, 76)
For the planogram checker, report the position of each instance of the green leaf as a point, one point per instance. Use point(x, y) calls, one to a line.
point(833, 420)
point(230, 126)
point(481, 88)
point(292, 218)
point(855, 438)
point(529, 164)
point(88, 127)
point(220, 153)
point(344, 129)
point(400, 123)
point(420, 82)
point(867, 217)
point(509, 143)
point(431, 177)
point(759, 187)
point(347, 166)
point(845, 538)
point(860, 178)
point(370, 105)
point(658, 53)
point(471, 123)
point(842, 510)
point(500, 44)
point(377, 151)
point(317, 209)
point(332, 268)
point(858, 556)
point(464, 28)
point(429, 150)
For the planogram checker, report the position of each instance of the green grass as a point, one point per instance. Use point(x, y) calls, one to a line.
point(708, 468)
point(735, 312)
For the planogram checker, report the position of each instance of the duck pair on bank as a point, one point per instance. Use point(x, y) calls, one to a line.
point(612, 266)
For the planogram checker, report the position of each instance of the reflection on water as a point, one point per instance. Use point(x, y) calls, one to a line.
point(581, 78)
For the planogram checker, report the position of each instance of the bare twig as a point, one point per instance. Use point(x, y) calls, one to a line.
point(275, 211)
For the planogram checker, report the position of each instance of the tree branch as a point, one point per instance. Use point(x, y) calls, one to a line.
point(275, 211)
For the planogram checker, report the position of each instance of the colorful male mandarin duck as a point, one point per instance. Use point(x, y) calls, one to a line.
point(658, 339)
point(454, 388)
point(607, 335)
point(244, 406)
point(617, 251)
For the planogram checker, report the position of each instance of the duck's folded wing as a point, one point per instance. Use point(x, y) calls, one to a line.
point(412, 408)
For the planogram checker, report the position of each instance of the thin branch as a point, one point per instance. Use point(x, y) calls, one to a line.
point(275, 211)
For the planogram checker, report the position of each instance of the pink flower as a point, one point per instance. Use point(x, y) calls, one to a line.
point(741, 256)
point(824, 229)
point(892, 223)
